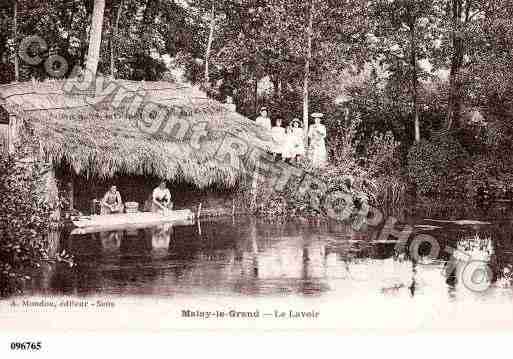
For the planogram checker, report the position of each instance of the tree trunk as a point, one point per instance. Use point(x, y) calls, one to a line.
point(146, 25)
point(209, 43)
point(275, 79)
point(414, 83)
point(113, 41)
point(84, 42)
point(15, 35)
point(255, 94)
point(307, 68)
point(69, 26)
point(95, 39)
point(453, 108)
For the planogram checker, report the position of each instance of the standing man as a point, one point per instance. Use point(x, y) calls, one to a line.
point(263, 120)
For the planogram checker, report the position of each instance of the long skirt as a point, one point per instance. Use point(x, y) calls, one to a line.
point(318, 154)
point(293, 147)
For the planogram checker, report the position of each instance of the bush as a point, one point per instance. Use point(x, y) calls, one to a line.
point(24, 224)
point(6, 73)
point(487, 178)
point(343, 142)
point(436, 167)
point(391, 192)
point(382, 155)
point(289, 205)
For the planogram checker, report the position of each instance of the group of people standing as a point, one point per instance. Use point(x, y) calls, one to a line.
point(292, 144)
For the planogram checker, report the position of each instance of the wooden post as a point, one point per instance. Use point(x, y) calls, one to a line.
point(254, 190)
point(10, 145)
point(12, 134)
point(198, 214)
point(71, 195)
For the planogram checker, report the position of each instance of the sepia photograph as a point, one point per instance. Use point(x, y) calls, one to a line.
point(252, 165)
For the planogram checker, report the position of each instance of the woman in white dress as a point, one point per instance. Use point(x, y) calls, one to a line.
point(317, 135)
point(161, 199)
point(295, 141)
point(279, 138)
point(287, 144)
point(263, 120)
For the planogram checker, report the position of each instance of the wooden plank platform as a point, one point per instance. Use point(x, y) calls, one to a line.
point(112, 222)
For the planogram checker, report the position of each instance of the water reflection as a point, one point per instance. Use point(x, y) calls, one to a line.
point(247, 257)
point(111, 241)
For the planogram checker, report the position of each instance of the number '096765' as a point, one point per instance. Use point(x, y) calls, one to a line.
point(26, 346)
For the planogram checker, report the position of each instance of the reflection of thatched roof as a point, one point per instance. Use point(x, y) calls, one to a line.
point(104, 140)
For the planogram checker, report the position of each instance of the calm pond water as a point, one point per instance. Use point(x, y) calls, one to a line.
point(246, 257)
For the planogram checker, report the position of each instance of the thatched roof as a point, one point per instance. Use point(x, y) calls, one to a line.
point(104, 139)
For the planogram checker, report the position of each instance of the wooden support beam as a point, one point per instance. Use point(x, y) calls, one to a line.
point(12, 134)
point(198, 214)
point(71, 195)
point(254, 190)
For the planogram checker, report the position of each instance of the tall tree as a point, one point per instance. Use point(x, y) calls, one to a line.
point(114, 43)
point(95, 38)
point(404, 33)
point(209, 42)
point(308, 59)
point(15, 38)
point(462, 22)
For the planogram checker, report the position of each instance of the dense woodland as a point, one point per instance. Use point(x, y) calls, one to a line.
point(416, 90)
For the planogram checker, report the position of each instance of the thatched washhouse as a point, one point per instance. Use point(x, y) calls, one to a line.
point(95, 138)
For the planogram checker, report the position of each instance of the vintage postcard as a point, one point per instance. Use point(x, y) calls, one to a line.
point(251, 165)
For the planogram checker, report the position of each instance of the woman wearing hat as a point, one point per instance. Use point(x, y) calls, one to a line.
point(317, 135)
point(295, 141)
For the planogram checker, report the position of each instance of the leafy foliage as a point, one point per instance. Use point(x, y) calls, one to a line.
point(288, 204)
point(382, 155)
point(436, 167)
point(24, 223)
